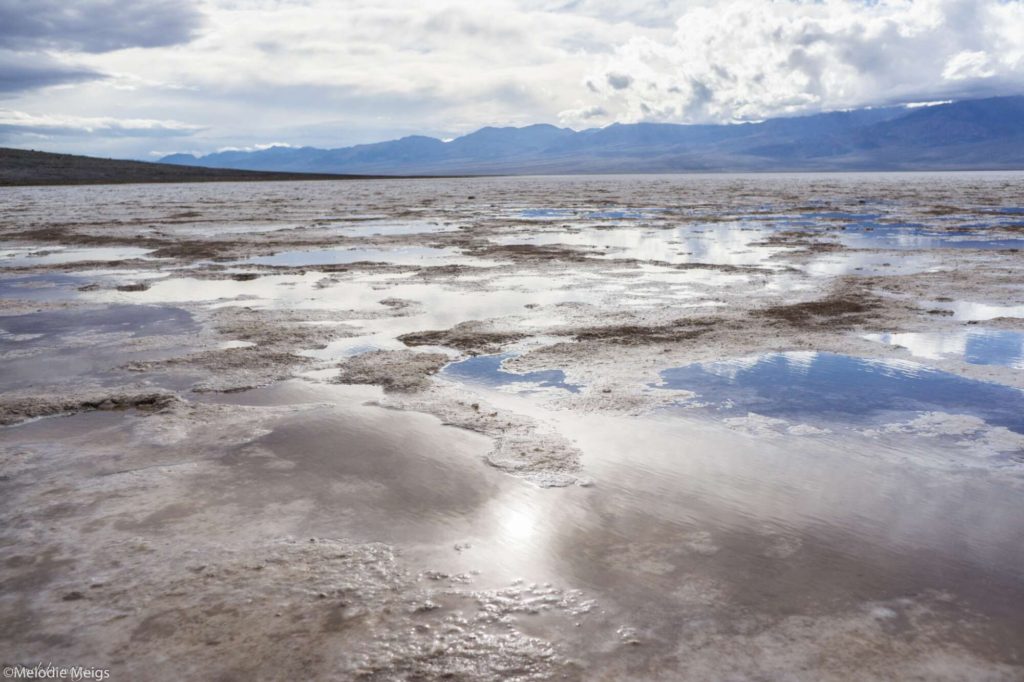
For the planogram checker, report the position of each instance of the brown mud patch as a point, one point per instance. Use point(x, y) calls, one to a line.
point(14, 409)
point(400, 371)
point(682, 329)
point(717, 267)
point(231, 369)
point(282, 330)
point(471, 337)
point(193, 249)
point(534, 252)
point(834, 311)
point(135, 286)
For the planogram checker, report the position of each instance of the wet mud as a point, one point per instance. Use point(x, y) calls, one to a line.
point(659, 427)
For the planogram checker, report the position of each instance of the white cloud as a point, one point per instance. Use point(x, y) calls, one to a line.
point(751, 59)
point(335, 73)
point(330, 73)
point(968, 64)
point(49, 124)
point(255, 147)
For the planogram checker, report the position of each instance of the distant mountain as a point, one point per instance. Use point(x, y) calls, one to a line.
point(974, 134)
point(25, 167)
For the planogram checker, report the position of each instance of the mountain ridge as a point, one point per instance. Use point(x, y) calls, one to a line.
point(970, 134)
point(24, 167)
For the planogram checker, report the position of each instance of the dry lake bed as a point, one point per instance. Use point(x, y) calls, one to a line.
point(764, 427)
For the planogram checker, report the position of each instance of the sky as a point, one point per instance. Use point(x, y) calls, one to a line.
point(145, 78)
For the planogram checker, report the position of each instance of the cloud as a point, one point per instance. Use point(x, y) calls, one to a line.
point(96, 25)
point(619, 81)
point(258, 147)
point(19, 72)
point(329, 73)
point(41, 40)
point(21, 123)
point(372, 69)
point(966, 65)
point(751, 59)
point(584, 117)
point(651, 13)
point(325, 72)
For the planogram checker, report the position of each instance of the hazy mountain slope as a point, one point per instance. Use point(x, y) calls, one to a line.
point(972, 132)
point(985, 133)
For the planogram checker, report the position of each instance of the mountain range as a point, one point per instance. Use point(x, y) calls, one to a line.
point(970, 134)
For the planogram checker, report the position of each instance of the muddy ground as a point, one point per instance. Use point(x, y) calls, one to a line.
point(428, 429)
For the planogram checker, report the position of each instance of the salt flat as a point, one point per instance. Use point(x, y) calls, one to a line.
point(714, 427)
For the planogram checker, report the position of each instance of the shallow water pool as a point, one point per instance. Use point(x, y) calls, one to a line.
point(973, 346)
point(488, 371)
point(827, 387)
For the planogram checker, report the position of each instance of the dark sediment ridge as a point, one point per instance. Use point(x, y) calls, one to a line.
point(20, 167)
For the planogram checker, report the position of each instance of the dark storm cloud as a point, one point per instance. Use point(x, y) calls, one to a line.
point(96, 25)
point(25, 71)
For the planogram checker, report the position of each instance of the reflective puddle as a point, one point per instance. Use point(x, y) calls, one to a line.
point(27, 256)
point(61, 345)
point(873, 263)
point(546, 213)
point(269, 291)
point(869, 235)
point(718, 244)
point(487, 370)
point(441, 307)
point(974, 346)
point(590, 214)
point(969, 311)
point(826, 387)
point(881, 231)
point(410, 255)
point(684, 521)
point(42, 287)
point(205, 228)
point(386, 228)
point(135, 320)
